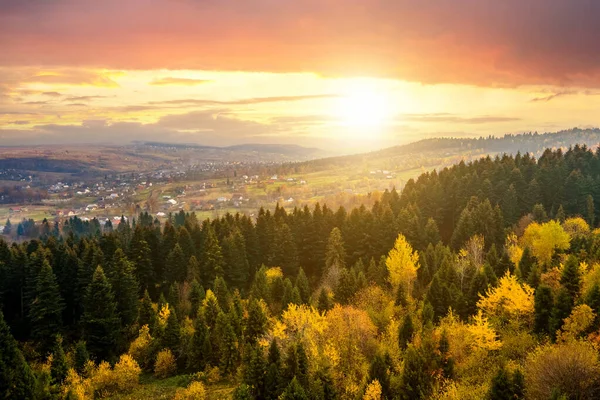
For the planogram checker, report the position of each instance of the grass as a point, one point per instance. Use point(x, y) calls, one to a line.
point(151, 388)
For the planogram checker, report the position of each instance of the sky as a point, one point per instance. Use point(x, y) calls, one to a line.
point(344, 75)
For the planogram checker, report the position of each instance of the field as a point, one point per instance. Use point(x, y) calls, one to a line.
point(158, 389)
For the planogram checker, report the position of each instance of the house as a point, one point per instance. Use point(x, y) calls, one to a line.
point(160, 214)
point(113, 195)
point(221, 199)
point(172, 202)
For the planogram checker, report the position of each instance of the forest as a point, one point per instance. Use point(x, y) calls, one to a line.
point(479, 281)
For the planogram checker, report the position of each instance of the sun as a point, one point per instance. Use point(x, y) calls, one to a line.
point(363, 107)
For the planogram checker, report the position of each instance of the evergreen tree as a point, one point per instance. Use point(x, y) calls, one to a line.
point(285, 254)
point(405, 332)
point(260, 287)
point(336, 252)
point(212, 256)
point(560, 214)
point(590, 213)
point(543, 305)
point(345, 288)
point(176, 265)
point(571, 276)
point(562, 309)
point(172, 334)
point(195, 296)
point(539, 214)
point(237, 268)
point(59, 366)
point(502, 386)
point(81, 357)
point(273, 378)
point(222, 293)
point(303, 286)
point(593, 300)
point(198, 358)
point(46, 309)
point(296, 364)
point(228, 352)
point(415, 375)
point(294, 391)
point(242, 392)
point(125, 288)
point(256, 323)
point(141, 257)
point(379, 371)
point(324, 304)
point(100, 318)
point(16, 378)
point(254, 374)
point(526, 264)
point(147, 314)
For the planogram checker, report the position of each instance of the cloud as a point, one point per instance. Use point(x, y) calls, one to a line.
point(561, 93)
point(179, 81)
point(76, 77)
point(18, 122)
point(254, 100)
point(451, 118)
point(481, 42)
point(84, 98)
point(51, 94)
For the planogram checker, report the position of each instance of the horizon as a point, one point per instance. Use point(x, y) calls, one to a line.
point(270, 73)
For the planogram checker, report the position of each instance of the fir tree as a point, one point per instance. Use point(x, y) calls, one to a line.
point(379, 371)
point(16, 378)
point(273, 379)
point(147, 314)
point(256, 322)
point(543, 305)
point(526, 264)
point(571, 276)
point(502, 387)
point(172, 334)
point(81, 357)
point(242, 392)
point(212, 256)
point(195, 296)
point(254, 374)
point(227, 343)
point(294, 391)
point(237, 268)
point(59, 366)
point(176, 265)
point(100, 318)
point(562, 309)
point(46, 308)
point(198, 357)
point(405, 332)
point(125, 288)
point(303, 286)
point(324, 304)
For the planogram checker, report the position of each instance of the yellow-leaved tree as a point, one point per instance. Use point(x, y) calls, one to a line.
point(484, 336)
point(544, 239)
point(402, 264)
point(510, 300)
point(373, 391)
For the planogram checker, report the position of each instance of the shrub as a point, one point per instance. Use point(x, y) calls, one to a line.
point(122, 379)
point(165, 365)
point(571, 369)
point(195, 391)
point(141, 349)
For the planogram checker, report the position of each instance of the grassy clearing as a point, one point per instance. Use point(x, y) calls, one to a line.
point(158, 389)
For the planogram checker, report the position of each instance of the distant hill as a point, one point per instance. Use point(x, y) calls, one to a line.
point(441, 152)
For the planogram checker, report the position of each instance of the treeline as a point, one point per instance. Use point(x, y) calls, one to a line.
point(443, 290)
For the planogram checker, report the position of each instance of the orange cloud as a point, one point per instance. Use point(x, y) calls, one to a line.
point(482, 42)
point(179, 81)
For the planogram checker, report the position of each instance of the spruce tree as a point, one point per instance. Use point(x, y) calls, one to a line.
point(526, 264)
point(195, 296)
point(592, 299)
point(405, 332)
point(294, 391)
point(254, 374)
point(172, 334)
point(242, 392)
point(256, 323)
point(260, 287)
point(303, 286)
point(100, 317)
point(197, 359)
point(147, 314)
point(176, 265)
point(502, 387)
point(212, 257)
point(227, 344)
point(323, 304)
point(379, 371)
point(125, 288)
point(237, 268)
point(17, 381)
point(273, 378)
point(563, 306)
point(571, 276)
point(222, 293)
point(543, 305)
point(59, 366)
point(81, 357)
point(45, 313)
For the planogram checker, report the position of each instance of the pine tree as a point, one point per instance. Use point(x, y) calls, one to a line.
point(543, 305)
point(294, 391)
point(237, 268)
point(172, 334)
point(195, 296)
point(212, 257)
point(100, 317)
point(176, 265)
point(562, 309)
point(273, 379)
point(590, 213)
point(254, 374)
point(125, 288)
point(415, 375)
point(324, 304)
point(198, 357)
point(502, 387)
point(16, 378)
point(242, 392)
point(193, 269)
point(260, 287)
point(560, 214)
point(81, 357)
point(59, 366)
point(526, 264)
point(296, 364)
point(147, 314)
point(336, 253)
point(227, 343)
point(285, 254)
point(46, 309)
point(405, 332)
point(256, 323)
point(345, 288)
point(303, 286)
point(379, 371)
point(141, 257)
point(571, 276)
point(592, 299)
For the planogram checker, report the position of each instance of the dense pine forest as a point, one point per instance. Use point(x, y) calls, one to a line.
point(479, 281)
